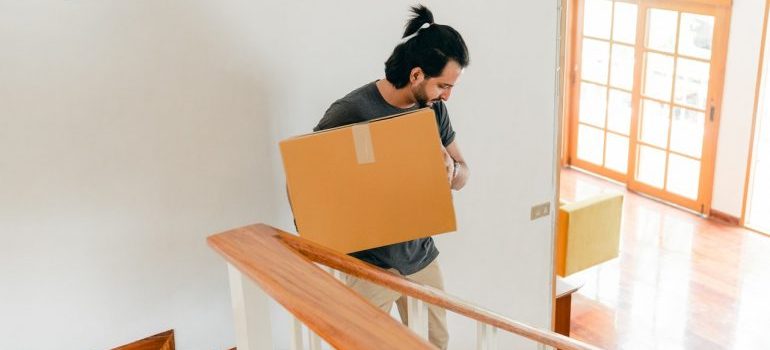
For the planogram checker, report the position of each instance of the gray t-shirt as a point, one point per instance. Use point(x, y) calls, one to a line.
point(366, 103)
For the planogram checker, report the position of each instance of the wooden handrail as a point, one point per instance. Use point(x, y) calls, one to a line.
point(360, 269)
point(241, 247)
point(336, 313)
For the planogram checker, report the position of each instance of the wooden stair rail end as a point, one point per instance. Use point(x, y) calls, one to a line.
point(336, 313)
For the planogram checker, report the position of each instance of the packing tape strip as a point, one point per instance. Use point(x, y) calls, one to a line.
point(362, 140)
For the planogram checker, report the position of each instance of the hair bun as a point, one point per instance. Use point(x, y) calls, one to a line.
point(420, 17)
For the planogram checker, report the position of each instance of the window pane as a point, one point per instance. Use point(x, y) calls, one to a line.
point(622, 72)
point(590, 144)
point(692, 83)
point(661, 30)
point(617, 153)
point(658, 76)
point(683, 176)
point(593, 104)
point(596, 18)
point(687, 131)
point(624, 29)
point(695, 35)
point(619, 113)
point(595, 60)
point(654, 125)
point(652, 163)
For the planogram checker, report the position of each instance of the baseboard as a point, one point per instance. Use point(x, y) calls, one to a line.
point(724, 217)
point(160, 341)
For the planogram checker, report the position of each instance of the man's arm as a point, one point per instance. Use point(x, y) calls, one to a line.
point(459, 171)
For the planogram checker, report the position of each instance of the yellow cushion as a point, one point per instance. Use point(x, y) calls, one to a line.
point(588, 233)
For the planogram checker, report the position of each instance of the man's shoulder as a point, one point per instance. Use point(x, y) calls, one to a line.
point(364, 91)
point(342, 108)
point(341, 112)
point(349, 109)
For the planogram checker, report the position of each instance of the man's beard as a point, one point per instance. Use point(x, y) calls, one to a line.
point(421, 97)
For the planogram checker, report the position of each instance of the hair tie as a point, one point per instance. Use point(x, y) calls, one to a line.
point(423, 26)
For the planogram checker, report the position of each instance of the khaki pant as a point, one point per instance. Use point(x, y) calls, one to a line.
point(383, 298)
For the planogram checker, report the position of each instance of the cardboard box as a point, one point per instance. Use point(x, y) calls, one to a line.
point(369, 184)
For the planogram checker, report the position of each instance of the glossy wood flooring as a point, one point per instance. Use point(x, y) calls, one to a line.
point(681, 281)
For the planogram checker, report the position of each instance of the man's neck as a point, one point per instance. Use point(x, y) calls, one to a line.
point(399, 98)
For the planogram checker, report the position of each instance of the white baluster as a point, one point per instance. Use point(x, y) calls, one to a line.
point(315, 340)
point(251, 311)
point(486, 336)
point(418, 316)
point(296, 339)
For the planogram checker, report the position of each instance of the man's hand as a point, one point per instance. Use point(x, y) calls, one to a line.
point(449, 163)
point(458, 171)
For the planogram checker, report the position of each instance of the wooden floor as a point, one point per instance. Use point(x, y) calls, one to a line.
point(681, 281)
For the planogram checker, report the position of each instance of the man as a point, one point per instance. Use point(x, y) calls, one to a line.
point(421, 72)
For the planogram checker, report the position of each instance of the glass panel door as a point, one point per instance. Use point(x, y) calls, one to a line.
point(603, 124)
point(646, 94)
point(677, 104)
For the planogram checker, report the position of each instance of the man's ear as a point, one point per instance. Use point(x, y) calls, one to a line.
point(416, 76)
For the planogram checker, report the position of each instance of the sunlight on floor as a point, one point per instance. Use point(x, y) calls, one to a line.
point(680, 282)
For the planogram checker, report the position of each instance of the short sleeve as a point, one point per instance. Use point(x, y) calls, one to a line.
point(444, 124)
point(339, 113)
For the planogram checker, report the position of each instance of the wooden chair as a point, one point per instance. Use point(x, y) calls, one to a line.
point(587, 234)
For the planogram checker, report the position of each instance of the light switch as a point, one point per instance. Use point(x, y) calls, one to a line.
point(540, 210)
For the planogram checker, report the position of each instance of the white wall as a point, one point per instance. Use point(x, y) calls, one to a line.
point(131, 130)
point(505, 118)
point(737, 105)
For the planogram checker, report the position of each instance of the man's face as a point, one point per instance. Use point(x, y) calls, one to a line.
point(430, 90)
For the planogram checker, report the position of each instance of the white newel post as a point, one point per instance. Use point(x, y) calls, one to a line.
point(251, 310)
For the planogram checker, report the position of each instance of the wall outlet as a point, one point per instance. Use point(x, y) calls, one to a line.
point(540, 210)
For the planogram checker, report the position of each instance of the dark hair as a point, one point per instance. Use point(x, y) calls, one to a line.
point(430, 49)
